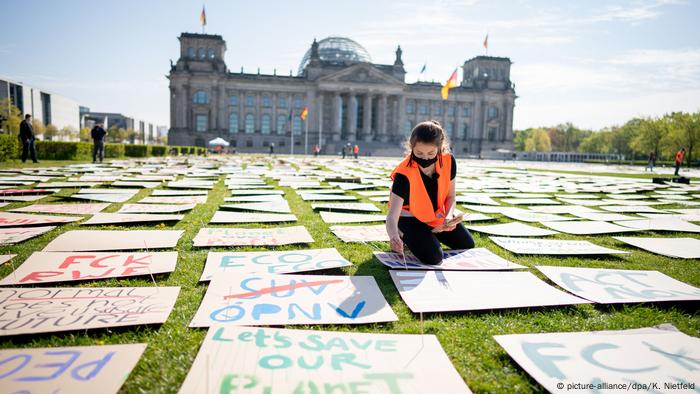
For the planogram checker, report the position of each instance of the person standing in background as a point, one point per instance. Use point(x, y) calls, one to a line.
point(679, 160)
point(98, 135)
point(26, 136)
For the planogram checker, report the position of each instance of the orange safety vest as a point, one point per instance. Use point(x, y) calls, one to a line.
point(419, 204)
point(679, 156)
point(357, 149)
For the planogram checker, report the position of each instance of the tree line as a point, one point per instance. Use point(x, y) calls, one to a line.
point(636, 139)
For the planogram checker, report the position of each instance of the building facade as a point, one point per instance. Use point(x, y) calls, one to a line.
point(147, 133)
point(47, 107)
point(349, 99)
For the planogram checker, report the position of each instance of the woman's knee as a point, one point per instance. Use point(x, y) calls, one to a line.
point(432, 256)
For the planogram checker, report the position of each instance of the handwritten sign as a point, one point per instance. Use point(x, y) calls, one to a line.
point(9, 219)
point(269, 360)
point(278, 206)
point(155, 208)
point(683, 248)
point(36, 310)
point(271, 262)
point(99, 240)
point(9, 236)
point(292, 299)
point(639, 360)
point(457, 260)
point(124, 218)
point(347, 206)
point(80, 369)
point(340, 217)
point(361, 233)
point(442, 291)
point(252, 236)
point(610, 286)
point(552, 246)
point(76, 209)
point(513, 229)
point(174, 200)
point(44, 267)
point(250, 217)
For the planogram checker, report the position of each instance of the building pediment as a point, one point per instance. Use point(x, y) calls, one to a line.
point(362, 73)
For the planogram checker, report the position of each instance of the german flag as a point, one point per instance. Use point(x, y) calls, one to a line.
point(451, 83)
point(203, 17)
point(304, 113)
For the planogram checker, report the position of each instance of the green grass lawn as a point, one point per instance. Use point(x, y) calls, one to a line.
point(466, 337)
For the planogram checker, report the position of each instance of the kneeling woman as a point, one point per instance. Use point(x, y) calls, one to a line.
point(422, 197)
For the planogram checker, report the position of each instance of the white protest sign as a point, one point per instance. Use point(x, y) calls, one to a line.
point(9, 219)
point(105, 197)
point(249, 217)
point(552, 246)
point(155, 208)
point(9, 236)
point(661, 224)
point(271, 262)
point(586, 227)
point(361, 233)
point(642, 360)
point(269, 360)
point(478, 259)
point(34, 310)
point(76, 209)
point(78, 369)
point(684, 248)
point(43, 267)
point(610, 286)
point(258, 299)
point(340, 217)
point(513, 229)
point(280, 206)
point(123, 218)
point(174, 200)
point(347, 206)
point(77, 240)
point(252, 236)
point(443, 291)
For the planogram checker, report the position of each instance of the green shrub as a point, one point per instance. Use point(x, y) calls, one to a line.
point(10, 147)
point(60, 150)
point(136, 150)
point(159, 150)
point(114, 150)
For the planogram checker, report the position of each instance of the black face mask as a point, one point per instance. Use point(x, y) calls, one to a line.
point(423, 162)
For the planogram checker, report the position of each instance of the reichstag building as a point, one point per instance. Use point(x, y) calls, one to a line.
point(349, 99)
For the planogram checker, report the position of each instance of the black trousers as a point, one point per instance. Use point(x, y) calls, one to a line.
point(28, 149)
point(678, 167)
point(98, 151)
point(425, 245)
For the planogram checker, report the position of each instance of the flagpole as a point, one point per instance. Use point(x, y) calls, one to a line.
point(291, 136)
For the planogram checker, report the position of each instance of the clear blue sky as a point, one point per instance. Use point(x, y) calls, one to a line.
point(594, 63)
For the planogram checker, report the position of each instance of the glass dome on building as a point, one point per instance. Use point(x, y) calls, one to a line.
point(337, 49)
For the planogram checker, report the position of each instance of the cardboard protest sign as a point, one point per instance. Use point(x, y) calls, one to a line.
point(570, 209)
point(326, 197)
point(4, 258)
point(289, 361)
point(23, 198)
point(32, 310)
point(255, 198)
point(79, 369)
point(586, 227)
point(611, 286)
point(258, 299)
point(457, 260)
point(9, 219)
point(250, 217)
point(280, 206)
point(530, 201)
point(127, 218)
point(139, 184)
point(271, 262)
point(683, 248)
point(552, 247)
point(474, 198)
point(75, 209)
point(252, 236)
point(174, 200)
point(661, 224)
point(514, 229)
point(443, 291)
point(21, 192)
point(524, 215)
point(172, 193)
point(643, 360)
point(602, 216)
point(9, 236)
point(339, 217)
point(248, 192)
point(631, 209)
point(347, 206)
point(45, 267)
point(155, 208)
point(361, 233)
point(99, 240)
point(105, 197)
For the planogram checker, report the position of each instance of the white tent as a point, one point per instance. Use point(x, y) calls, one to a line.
point(218, 141)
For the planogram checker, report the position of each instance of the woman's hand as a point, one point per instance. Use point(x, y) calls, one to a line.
point(395, 240)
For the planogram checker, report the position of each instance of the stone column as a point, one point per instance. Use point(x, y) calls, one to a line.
point(189, 123)
point(509, 107)
point(352, 117)
point(367, 118)
point(459, 128)
point(273, 117)
point(223, 110)
point(335, 131)
point(382, 118)
point(319, 116)
point(401, 115)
